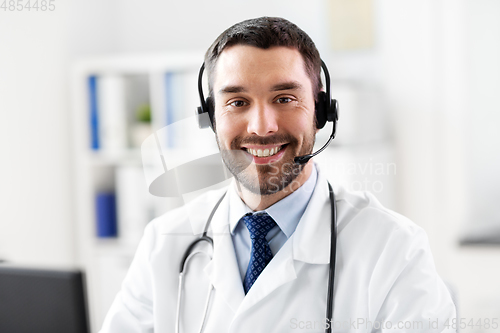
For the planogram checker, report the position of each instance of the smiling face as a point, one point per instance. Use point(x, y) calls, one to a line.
point(264, 111)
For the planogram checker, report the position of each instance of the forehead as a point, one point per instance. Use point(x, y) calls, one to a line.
point(247, 65)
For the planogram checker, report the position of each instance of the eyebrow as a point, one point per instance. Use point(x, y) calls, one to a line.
point(291, 85)
point(231, 89)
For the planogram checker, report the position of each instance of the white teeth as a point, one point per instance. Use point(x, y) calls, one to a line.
point(265, 153)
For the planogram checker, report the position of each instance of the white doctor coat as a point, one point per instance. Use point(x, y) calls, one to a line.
point(385, 275)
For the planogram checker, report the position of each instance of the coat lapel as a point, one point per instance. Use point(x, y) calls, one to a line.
point(309, 244)
point(311, 239)
point(280, 270)
point(223, 270)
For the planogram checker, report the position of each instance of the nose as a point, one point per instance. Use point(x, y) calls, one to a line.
point(263, 120)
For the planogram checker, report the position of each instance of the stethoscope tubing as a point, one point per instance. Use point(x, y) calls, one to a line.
point(181, 287)
point(333, 255)
point(188, 255)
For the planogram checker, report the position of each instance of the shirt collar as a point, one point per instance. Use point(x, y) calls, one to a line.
point(286, 212)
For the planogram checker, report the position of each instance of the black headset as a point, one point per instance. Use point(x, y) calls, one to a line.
point(326, 109)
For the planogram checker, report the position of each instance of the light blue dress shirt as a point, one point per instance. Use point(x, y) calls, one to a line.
point(286, 213)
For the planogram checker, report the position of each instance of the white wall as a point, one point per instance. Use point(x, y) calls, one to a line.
point(159, 26)
point(483, 135)
point(35, 177)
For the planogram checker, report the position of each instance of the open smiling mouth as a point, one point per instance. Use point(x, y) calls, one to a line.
point(266, 154)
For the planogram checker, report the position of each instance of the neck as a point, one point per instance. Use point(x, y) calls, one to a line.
point(258, 202)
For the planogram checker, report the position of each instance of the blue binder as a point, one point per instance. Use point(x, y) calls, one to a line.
point(94, 119)
point(106, 215)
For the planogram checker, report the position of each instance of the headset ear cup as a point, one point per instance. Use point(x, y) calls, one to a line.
point(333, 115)
point(321, 110)
point(333, 112)
point(210, 109)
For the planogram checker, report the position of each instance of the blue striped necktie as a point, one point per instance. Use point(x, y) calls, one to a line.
point(258, 225)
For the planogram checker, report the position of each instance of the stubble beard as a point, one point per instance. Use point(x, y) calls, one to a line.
point(265, 179)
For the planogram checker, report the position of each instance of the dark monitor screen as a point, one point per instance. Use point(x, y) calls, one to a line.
point(39, 300)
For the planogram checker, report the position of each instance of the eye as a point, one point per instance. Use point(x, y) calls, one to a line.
point(239, 103)
point(283, 100)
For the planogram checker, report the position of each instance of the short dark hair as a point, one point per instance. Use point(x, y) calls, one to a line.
point(265, 32)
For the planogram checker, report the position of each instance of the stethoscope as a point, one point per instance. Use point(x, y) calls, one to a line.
point(190, 253)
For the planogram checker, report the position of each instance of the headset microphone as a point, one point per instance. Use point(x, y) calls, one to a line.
point(326, 110)
point(305, 158)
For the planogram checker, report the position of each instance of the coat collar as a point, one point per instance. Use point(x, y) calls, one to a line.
point(310, 243)
point(223, 270)
point(311, 240)
point(286, 212)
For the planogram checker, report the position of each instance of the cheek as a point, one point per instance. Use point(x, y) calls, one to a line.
point(226, 131)
point(303, 122)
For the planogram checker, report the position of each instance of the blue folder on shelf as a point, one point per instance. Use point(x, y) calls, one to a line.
point(106, 215)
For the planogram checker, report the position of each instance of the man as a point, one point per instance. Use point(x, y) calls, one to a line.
point(271, 230)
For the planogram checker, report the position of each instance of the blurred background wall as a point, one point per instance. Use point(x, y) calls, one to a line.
point(436, 63)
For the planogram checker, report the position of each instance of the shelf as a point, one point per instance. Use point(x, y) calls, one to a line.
point(129, 156)
point(107, 92)
point(113, 247)
point(139, 64)
point(485, 236)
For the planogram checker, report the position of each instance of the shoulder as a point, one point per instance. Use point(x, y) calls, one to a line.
point(389, 250)
point(362, 210)
point(367, 228)
point(392, 255)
